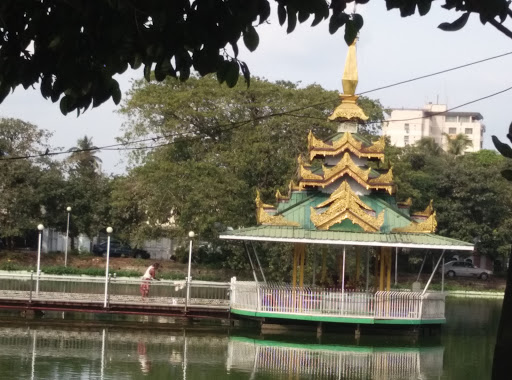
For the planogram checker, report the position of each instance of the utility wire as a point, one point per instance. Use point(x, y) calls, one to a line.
point(436, 73)
point(236, 125)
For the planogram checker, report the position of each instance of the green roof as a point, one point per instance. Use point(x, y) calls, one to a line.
point(301, 235)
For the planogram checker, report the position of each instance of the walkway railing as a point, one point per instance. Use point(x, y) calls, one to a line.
point(238, 295)
point(84, 289)
point(286, 299)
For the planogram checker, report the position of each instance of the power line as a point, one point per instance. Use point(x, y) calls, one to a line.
point(437, 73)
point(283, 113)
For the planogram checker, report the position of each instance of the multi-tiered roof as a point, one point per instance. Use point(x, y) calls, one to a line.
point(345, 192)
point(341, 196)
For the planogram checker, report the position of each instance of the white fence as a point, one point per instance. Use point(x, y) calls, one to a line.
point(120, 291)
point(273, 298)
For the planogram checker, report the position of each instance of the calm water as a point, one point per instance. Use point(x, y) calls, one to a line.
point(78, 350)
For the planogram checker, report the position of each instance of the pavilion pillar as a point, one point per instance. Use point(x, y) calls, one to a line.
point(341, 265)
point(382, 268)
point(302, 259)
point(387, 253)
point(376, 269)
point(323, 278)
point(358, 257)
point(295, 259)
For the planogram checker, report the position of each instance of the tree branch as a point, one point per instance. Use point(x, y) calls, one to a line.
point(501, 28)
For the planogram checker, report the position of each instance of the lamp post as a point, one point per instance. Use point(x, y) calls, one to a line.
point(68, 209)
point(191, 235)
point(40, 228)
point(109, 231)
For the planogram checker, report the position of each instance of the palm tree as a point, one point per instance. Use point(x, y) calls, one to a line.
point(458, 144)
point(429, 144)
point(83, 154)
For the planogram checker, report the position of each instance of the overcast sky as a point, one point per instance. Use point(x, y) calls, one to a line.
point(390, 49)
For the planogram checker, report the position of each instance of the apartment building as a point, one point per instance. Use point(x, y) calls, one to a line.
point(407, 126)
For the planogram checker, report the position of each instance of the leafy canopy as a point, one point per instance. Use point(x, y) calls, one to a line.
point(219, 146)
point(73, 49)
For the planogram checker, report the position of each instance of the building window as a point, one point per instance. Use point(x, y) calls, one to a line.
point(451, 119)
point(406, 140)
point(406, 128)
point(468, 131)
point(452, 131)
point(464, 119)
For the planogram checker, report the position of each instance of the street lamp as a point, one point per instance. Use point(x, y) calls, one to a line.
point(109, 231)
point(68, 209)
point(191, 235)
point(40, 227)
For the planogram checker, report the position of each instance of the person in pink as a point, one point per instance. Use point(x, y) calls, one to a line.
point(147, 278)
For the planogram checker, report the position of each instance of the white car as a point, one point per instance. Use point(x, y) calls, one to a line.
point(465, 268)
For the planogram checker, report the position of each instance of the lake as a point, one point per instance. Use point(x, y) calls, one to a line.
point(93, 347)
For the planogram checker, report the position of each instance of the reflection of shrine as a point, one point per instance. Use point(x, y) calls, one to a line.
point(342, 206)
point(334, 362)
point(106, 349)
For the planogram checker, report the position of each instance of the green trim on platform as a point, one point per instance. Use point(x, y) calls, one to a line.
point(321, 318)
point(330, 347)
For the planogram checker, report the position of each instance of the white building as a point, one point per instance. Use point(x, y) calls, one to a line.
point(407, 126)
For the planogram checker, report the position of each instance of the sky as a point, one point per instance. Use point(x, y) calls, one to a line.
point(390, 49)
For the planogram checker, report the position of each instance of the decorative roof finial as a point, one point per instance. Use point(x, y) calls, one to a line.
point(348, 110)
point(350, 77)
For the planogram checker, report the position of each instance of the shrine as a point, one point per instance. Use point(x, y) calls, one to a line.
point(343, 203)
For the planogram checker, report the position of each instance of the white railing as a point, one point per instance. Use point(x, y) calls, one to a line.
point(126, 291)
point(279, 298)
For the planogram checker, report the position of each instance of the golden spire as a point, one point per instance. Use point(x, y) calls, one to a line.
point(350, 77)
point(348, 109)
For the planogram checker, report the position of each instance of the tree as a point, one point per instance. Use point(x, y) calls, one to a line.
point(429, 144)
point(502, 366)
point(87, 190)
point(215, 147)
point(458, 144)
point(83, 155)
point(30, 190)
point(74, 49)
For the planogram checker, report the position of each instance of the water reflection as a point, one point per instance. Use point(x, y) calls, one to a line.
point(43, 350)
point(104, 354)
point(334, 362)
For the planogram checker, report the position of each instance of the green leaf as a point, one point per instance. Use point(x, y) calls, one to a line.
point(424, 7)
point(350, 32)
point(222, 71)
point(246, 73)
point(336, 22)
point(509, 134)
point(147, 72)
point(64, 105)
point(232, 74)
point(358, 21)
point(507, 174)
point(116, 92)
point(455, 25)
point(303, 15)
point(504, 149)
point(137, 61)
point(4, 91)
point(46, 86)
point(281, 14)
point(292, 19)
point(251, 38)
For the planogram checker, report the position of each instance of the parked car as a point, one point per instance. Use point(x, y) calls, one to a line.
point(119, 249)
point(465, 269)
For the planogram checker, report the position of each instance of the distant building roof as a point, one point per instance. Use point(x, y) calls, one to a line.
point(474, 115)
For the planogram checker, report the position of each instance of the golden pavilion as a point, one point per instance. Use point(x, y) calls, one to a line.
point(342, 200)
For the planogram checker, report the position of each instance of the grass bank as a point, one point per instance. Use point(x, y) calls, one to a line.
point(87, 264)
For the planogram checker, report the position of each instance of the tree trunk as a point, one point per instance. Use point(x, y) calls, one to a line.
point(502, 365)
